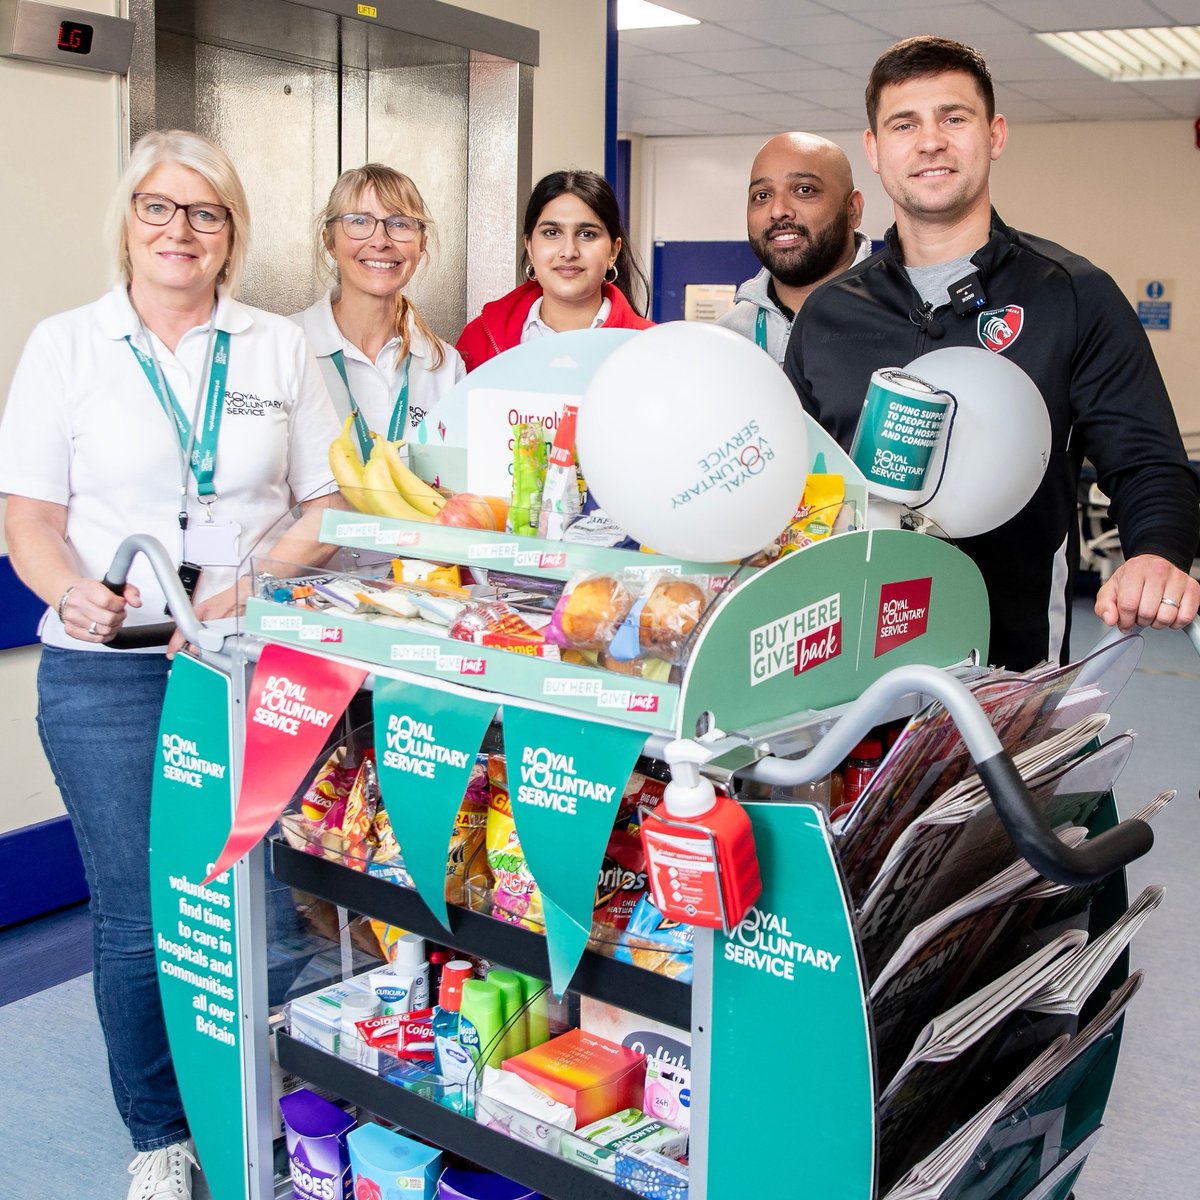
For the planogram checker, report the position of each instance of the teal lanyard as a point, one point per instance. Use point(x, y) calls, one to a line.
point(760, 329)
point(203, 449)
point(399, 421)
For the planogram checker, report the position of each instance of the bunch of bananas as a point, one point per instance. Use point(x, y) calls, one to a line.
point(383, 485)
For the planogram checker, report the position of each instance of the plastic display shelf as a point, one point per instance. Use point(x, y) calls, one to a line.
point(627, 986)
point(548, 1174)
point(499, 551)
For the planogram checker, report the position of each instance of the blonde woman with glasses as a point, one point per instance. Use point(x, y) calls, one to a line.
point(379, 358)
point(169, 408)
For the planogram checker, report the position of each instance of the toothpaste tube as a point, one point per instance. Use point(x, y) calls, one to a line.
point(414, 1038)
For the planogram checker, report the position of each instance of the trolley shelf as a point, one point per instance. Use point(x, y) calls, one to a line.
point(628, 987)
point(548, 1174)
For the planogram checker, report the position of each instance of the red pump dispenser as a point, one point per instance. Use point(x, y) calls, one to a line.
point(699, 846)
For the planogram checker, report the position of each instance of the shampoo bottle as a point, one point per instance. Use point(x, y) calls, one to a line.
point(700, 847)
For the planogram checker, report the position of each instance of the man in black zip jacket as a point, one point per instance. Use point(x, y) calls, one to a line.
point(932, 139)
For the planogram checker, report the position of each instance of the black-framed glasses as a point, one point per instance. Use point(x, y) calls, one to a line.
point(361, 226)
point(161, 210)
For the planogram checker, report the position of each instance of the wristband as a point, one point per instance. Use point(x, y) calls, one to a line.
point(62, 604)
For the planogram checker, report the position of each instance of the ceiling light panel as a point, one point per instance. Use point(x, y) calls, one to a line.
point(1132, 55)
point(640, 14)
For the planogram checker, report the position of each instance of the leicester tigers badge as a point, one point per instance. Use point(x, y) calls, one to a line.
point(1000, 327)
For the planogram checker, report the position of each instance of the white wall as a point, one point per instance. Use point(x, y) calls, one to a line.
point(60, 146)
point(568, 86)
point(1124, 194)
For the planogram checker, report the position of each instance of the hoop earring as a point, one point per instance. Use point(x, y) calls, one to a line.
point(530, 274)
point(613, 268)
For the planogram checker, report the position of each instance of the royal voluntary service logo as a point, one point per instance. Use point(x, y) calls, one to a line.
point(1000, 327)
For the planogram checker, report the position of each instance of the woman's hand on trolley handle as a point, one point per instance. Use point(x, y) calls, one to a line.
point(48, 566)
point(92, 613)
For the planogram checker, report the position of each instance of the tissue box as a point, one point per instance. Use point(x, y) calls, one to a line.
point(593, 1076)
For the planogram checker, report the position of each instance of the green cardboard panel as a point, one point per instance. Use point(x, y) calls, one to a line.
point(195, 926)
point(789, 1024)
point(815, 628)
point(499, 551)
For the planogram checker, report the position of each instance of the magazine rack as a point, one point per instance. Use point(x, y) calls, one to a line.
point(781, 1034)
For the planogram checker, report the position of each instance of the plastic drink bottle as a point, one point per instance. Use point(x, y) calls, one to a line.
point(448, 1055)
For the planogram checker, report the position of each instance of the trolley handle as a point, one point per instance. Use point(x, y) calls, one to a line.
point(1092, 861)
point(180, 606)
point(1086, 863)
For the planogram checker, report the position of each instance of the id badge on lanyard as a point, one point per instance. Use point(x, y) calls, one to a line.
point(211, 542)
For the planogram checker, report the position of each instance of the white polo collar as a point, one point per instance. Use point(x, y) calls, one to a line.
point(325, 337)
point(117, 318)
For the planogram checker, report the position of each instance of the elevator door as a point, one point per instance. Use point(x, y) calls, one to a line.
point(296, 94)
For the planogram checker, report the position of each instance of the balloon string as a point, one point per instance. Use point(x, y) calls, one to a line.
point(946, 453)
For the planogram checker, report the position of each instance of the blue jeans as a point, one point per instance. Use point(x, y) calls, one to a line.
point(98, 717)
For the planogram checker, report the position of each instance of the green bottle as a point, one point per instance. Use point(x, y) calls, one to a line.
point(481, 1025)
point(535, 994)
point(512, 1005)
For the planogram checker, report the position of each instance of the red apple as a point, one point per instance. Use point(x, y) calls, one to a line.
point(469, 511)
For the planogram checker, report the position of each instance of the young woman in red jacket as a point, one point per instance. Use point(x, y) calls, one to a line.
point(582, 273)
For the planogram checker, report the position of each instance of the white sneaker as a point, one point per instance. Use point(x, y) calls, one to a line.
point(164, 1174)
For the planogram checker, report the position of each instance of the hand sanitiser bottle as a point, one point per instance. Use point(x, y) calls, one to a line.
point(698, 836)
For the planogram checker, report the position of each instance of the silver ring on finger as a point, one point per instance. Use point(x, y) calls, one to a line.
point(1169, 603)
point(93, 629)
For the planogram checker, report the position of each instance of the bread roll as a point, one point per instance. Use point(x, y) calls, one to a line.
point(593, 610)
point(669, 616)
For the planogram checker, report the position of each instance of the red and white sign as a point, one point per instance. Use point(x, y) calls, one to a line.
point(291, 706)
point(818, 647)
point(903, 613)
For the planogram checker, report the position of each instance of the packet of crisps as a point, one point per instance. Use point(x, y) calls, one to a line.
point(819, 508)
point(330, 784)
point(466, 863)
point(515, 895)
point(361, 806)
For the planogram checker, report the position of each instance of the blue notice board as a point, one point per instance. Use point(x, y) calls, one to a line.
point(20, 609)
point(676, 264)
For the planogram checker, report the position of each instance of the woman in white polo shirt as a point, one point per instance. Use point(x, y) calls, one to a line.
point(378, 356)
point(168, 408)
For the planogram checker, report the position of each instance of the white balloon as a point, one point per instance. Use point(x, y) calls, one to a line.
point(694, 442)
point(999, 442)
